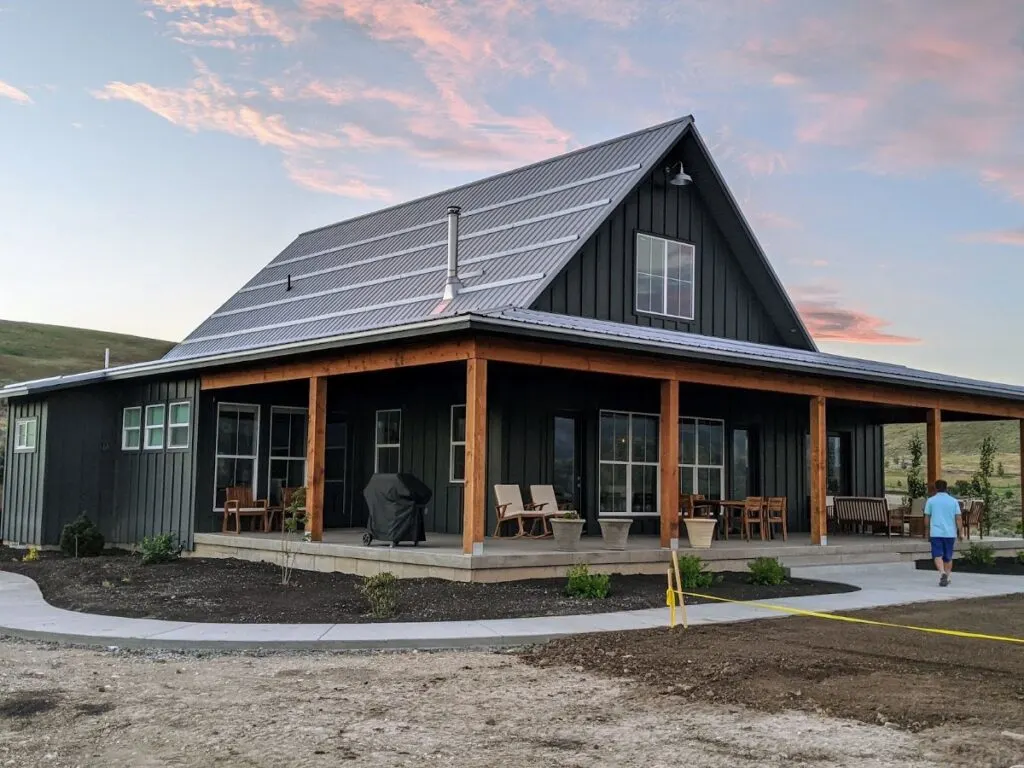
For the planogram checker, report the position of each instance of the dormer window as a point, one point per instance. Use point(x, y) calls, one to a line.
point(664, 277)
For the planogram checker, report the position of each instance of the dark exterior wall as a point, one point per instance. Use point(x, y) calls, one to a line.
point(599, 281)
point(25, 478)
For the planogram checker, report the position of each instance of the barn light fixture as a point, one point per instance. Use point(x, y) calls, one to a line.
point(677, 176)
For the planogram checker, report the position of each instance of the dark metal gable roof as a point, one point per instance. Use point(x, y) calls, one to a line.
point(387, 268)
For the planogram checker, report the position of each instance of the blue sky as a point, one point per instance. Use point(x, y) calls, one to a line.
point(154, 154)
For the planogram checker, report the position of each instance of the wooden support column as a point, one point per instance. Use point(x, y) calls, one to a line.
point(1022, 477)
point(474, 500)
point(669, 464)
point(316, 438)
point(934, 448)
point(819, 521)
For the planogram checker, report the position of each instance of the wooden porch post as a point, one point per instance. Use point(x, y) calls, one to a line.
point(474, 500)
point(316, 435)
point(669, 463)
point(819, 521)
point(1022, 476)
point(934, 448)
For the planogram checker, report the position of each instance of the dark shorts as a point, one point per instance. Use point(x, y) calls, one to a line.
point(943, 547)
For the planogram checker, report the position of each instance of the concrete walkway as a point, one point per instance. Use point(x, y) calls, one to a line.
point(24, 613)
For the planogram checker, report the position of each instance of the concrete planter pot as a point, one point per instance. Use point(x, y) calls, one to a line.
point(567, 532)
point(615, 533)
point(700, 530)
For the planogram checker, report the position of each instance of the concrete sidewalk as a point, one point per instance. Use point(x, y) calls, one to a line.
point(24, 613)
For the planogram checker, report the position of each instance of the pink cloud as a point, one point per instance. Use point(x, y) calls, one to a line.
point(773, 220)
point(8, 91)
point(997, 237)
point(225, 19)
point(828, 320)
point(318, 177)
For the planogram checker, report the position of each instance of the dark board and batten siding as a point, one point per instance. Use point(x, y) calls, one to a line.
point(599, 281)
point(25, 477)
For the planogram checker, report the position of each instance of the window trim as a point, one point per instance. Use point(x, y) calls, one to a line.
point(636, 285)
point(146, 428)
point(377, 446)
point(630, 464)
point(453, 444)
point(290, 409)
point(126, 429)
point(187, 425)
point(256, 408)
point(25, 447)
point(697, 465)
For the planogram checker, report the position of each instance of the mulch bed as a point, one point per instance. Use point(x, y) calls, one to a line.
point(1003, 566)
point(235, 591)
point(869, 673)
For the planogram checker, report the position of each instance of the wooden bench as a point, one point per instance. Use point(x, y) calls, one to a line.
point(867, 511)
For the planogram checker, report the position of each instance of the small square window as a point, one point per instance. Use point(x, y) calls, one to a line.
point(25, 435)
point(155, 418)
point(131, 429)
point(179, 425)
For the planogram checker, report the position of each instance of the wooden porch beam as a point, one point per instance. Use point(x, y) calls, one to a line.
point(819, 489)
point(316, 439)
point(692, 372)
point(934, 448)
point(669, 463)
point(474, 500)
point(342, 363)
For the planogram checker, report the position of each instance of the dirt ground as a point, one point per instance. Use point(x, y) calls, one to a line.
point(197, 589)
point(65, 707)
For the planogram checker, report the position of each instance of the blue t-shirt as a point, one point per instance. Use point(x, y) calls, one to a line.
point(942, 509)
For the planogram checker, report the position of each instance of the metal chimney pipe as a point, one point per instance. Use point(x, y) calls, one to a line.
point(106, 357)
point(452, 284)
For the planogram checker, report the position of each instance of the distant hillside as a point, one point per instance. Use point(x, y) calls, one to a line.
point(959, 439)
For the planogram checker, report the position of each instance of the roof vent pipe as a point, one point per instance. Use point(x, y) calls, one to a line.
point(452, 284)
point(106, 357)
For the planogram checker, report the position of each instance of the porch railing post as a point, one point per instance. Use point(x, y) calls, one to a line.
point(669, 464)
point(934, 447)
point(474, 500)
point(819, 488)
point(316, 436)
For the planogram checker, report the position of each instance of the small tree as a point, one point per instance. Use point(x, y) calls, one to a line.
point(1000, 470)
point(981, 482)
point(916, 486)
point(294, 519)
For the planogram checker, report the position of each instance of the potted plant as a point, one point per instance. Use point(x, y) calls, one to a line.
point(700, 531)
point(567, 528)
point(615, 532)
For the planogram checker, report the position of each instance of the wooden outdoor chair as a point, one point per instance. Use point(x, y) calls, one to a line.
point(544, 499)
point(775, 514)
point(287, 494)
point(972, 519)
point(916, 524)
point(753, 514)
point(239, 501)
point(861, 511)
point(509, 507)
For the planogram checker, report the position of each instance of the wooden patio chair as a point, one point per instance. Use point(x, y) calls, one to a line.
point(287, 494)
point(239, 501)
point(916, 524)
point(509, 507)
point(544, 500)
point(972, 518)
point(753, 514)
point(775, 514)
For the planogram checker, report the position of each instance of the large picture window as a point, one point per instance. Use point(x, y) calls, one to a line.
point(628, 464)
point(237, 437)
point(702, 456)
point(388, 445)
point(458, 444)
point(664, 277)
point(287, 451)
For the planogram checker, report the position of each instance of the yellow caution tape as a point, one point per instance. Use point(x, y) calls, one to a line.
point(835, 617)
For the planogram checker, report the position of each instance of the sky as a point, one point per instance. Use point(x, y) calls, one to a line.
point(155, 154)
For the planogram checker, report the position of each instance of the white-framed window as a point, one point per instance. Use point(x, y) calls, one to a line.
point(628, 464)
point(179, 425)
point(156, 416)
point(664, 277)
point(25, 433)
point(131, 429)
point(238, 429)
point(702, 457)
point(287, 451)
point(388, 441)
point(458, 444)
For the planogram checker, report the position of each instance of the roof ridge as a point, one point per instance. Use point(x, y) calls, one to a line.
point(685, 119)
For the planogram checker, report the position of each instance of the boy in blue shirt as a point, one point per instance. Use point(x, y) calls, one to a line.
point(943, 513)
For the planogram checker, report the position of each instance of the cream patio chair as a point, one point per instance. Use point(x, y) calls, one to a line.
point(544, 500)
point(509, 506)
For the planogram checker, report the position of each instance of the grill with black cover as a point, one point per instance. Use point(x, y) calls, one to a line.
point(397, 503)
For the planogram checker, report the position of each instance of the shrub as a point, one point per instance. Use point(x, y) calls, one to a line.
point(979, 555)
point(31, 556)
point(1020, 557)
point(767, 571)
point(159, 549)
point(81, 538)
point(586, 585)
point(381, 592)
point(693, 572)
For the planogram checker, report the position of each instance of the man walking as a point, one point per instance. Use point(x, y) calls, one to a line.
point(943, 512)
